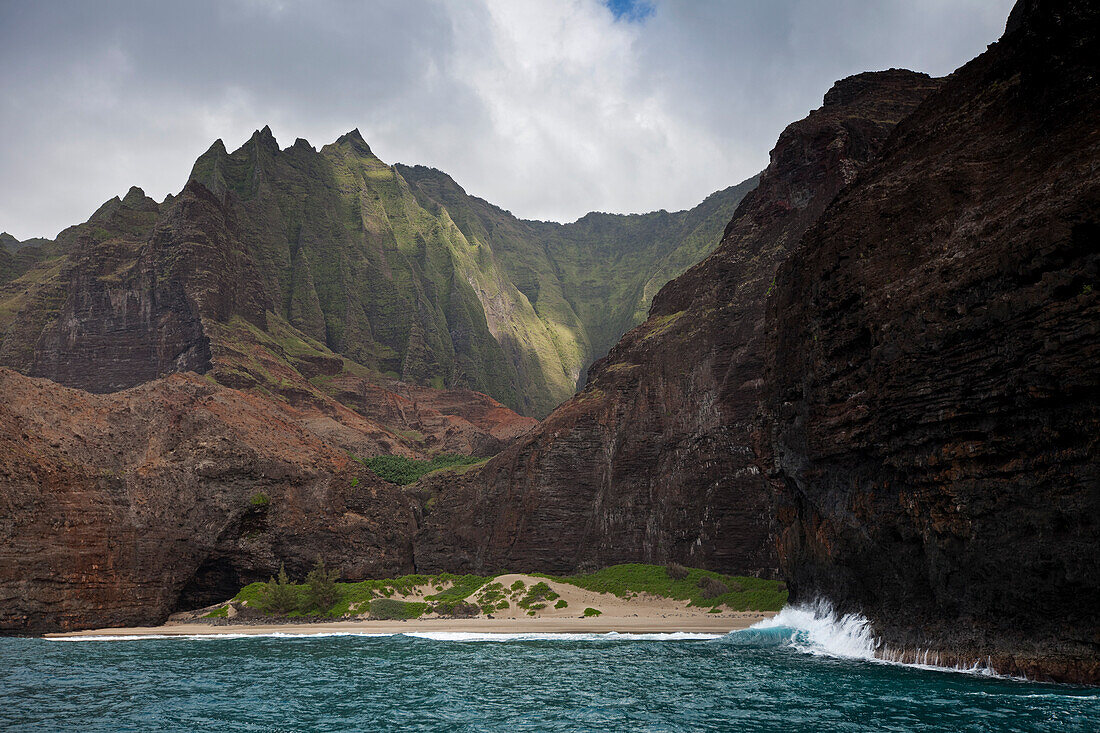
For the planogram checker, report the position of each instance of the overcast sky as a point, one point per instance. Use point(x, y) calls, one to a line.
point(548, 109)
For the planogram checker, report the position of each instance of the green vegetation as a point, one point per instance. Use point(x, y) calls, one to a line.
point(351, 598)
point(259, 499)
point(279, 595)
point(401, 470)
point(454, 598)
point(388, 609)
point(677, 571)
point(592, 611)
point(537, 596)
point(491, 597)
point(322, 586)
point(393, 270)
point(742, 593)
point(222, 612)
point(465, 595)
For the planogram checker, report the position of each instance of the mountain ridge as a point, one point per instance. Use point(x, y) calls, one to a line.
point(375, 268)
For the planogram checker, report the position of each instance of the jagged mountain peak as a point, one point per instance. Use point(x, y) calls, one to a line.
point(264, 137)
point(355, 139)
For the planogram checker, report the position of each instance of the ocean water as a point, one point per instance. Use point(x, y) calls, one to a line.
point(802, 671)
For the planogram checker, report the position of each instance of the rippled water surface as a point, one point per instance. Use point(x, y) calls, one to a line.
point(752, 680)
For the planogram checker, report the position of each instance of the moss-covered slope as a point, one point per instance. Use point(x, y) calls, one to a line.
point(393, 271)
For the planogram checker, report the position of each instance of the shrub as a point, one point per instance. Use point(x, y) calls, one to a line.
point(388, 609)
point(322, 586)
point(401, 470)
point(592, 612)
point(464, 610)
point(259, 499)
point(562, 603)
point(712, 587)
point(279, 595)
point(676, 571)
point(537, 595)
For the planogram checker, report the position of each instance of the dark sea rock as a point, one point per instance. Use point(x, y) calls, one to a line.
point(933, 375)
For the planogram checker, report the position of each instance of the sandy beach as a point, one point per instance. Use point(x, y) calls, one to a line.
point(601, 625)
point(639, 614)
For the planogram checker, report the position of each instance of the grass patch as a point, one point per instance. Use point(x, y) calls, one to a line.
point(592, 612)
point(222, 612)
point(456, 588)
point(260, 499)
point(401, 470)
point(457, 593)
point(741, 594)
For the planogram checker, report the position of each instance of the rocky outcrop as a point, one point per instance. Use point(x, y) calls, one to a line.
point(655, 459)
point(137, 294)
point(118, 509)
point(933, 363)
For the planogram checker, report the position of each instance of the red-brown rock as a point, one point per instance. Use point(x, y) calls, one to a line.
point(117, 509)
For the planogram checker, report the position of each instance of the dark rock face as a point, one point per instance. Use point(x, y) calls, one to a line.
point(655, 459)
point(136, 300)
point(933, 364)
point(118, 509)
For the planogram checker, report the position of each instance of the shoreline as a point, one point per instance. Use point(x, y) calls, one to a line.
point(691, 624)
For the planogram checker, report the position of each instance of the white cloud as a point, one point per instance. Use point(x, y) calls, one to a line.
point(549, 109)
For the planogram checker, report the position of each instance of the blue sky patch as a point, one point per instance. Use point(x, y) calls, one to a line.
point(630, 10)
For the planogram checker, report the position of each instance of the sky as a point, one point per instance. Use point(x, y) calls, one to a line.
point(548, 109)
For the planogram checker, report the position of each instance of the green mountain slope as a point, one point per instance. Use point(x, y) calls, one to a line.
point(393, 268)
point(592, 280)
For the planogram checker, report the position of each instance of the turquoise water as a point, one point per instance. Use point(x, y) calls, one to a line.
point(766, 679)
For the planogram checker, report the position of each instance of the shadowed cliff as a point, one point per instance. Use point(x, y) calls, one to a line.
point(933, 363)
point(655, 459)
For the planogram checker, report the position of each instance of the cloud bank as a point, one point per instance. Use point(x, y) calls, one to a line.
point(550, 109)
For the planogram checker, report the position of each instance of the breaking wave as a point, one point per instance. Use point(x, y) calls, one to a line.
point(817, 629)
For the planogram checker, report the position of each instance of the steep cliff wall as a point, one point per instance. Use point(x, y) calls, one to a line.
point(117, 509)
point(139, 288)
point(655, 460)
point(934, 363)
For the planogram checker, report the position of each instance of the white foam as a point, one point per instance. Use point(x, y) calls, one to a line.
point(817, 629)
point(211, 637)
point(461, 636)
point(550, 636)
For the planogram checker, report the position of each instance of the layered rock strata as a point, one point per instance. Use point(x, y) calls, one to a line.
point(118, 509)
point(934, 363)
